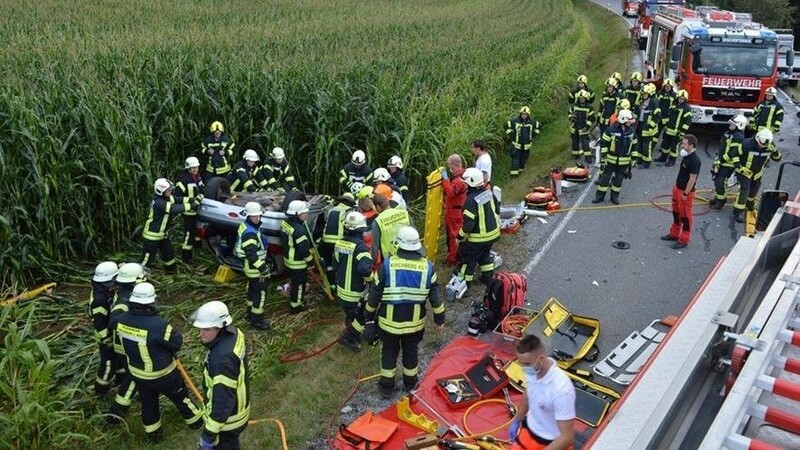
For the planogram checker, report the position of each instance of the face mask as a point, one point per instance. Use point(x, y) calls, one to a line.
point(530, 370)
point(684, 153)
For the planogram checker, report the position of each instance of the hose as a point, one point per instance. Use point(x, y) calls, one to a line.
point(477, 436)
point(302, 354)
point(513, 325)
point(281, 428)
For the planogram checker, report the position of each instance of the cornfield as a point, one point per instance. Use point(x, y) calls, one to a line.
point(101, 97)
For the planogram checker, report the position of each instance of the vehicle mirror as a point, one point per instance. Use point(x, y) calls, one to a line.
point(676, 51)
point(790, 59)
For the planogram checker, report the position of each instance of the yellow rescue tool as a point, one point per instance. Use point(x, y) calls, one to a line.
point(433, 214)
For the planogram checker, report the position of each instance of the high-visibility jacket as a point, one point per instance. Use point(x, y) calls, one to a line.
point(679, 120)
point(617, 144)
point(634, 95)
point(334, 223)
point(754, 158)
point(768, 114)
point(573, 95)
point(351, 174)
point(296, 244)
point(119, 306)
point(149, 343)
point(731, 150)
point(666, 102)
point(608, 106)
point(522, 131)
point(481, 217)
point(227, 383)
point(404, 282)
point(384, 231)
point(273, 175)
point(401, 181)
point(161, 211)
point(243, 177)
point(189, 186)
point(649, 118)
point(101, 300)
point(353, 266)
point(581, 118)
point(218, 164)
point(251, 248)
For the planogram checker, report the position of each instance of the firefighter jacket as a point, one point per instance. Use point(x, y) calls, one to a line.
point(189, 186)
point(296, 244)
point(227, 382)
point(353, 266)
point(398, 297)
point(251, 248)
point(218, 152)
point(101, 300)
point(634, 95)
point(161, 211)
point(243, 177)
point(334, 224)
point(273, 175)
point(351, 174)
point(649, 118)
point(754, 159)
point(119, 306)
point(573, 95)
point(581, 118)
point(731, 149)
point(768, 114)
point(666, 102)
point(401, 181)
point(617, 144)
point(149, 343)
point(481, 217)
point(384, 231)
point(608, 106)
point(521, 132)
point(679, 120)
point(455, 191)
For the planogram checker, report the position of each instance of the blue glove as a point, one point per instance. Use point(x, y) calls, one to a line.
point(513, 430)
point(444, 174)
point(205, 445)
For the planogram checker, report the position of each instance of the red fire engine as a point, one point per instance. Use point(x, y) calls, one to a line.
point(643, 10)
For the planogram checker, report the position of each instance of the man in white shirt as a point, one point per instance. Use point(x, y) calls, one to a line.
point(544, 419)
point(482, 161)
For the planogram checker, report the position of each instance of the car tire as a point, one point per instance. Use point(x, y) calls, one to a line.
point(218, 188)
point(290, 197)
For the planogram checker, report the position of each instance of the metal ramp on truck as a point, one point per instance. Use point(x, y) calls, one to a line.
point(748, 301)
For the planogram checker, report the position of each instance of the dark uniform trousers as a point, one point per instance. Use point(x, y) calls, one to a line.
point(472, 255)
point(173, 387)
point(392, 346)
point(720, 180)
point(326, 255)
point(297, 287)
point(229, 440)
point(190, 240)
point(257, 295)
point(612, 175)
point(152, 248)
point(125, 393)
point(748, 190)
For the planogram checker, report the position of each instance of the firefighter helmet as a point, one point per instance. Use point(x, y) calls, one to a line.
point(217, 126)
point(395, 161)
point(583, 79)
point(297, 207)
point(525, 110)
point(611, 81)
point(381, 174)
point(584, 94)
point(408, 238)
point(251, 155)
point(649, 89)
point(130, 272)
point(771, 91)
point(473, 177)
point(668, 82)
point(636, 76)
point(359, 157)
point(740, 121)
point(278, 153)
point(252, 209)
point(365, 192)
point(191, 162)
point(355, 221)
point(625, 116)
point(161, 186)
point(143, 294)
point(617, 76)
point(624, 104)
point(764, 137)
point(356, 187)
point(682, 94)
point(213, 314)
point(105, 271)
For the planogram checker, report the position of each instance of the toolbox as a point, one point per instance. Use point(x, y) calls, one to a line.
point(505, 339)
point(570, 337)
point(482, 380)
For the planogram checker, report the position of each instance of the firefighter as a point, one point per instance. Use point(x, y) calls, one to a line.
point(649, 124)
point(101, 300)
point(677, 125)
point(618, 77)
point(225, 376)
point(243, 176)
point(479, 230)
point(581, 119)
point(251, 248)
point(151, 346)
point(483, 161)
point(727, 159)
point(334, 232)
point(616, 147)
point(395, 166)
point(634, 92)
point(666, 101)
point(190, 185)
point(750, 170)
point(156, 239)
point(274, 173)
point(455, 194)
point(385, 185)
point(768, 114)
point(608, 104)
point(582, 84)
point(384, 229)
point(356, 171)
point(521, 132)
point(297, 256)
point(217, 148)
point(397, 302)
point(353, 265)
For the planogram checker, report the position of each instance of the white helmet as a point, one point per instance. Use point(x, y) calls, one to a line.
point(625, 116)
point(161, 185)
point(764, 137)
point(356, 187)
point(251, 155)
point(408, 239)
point(473, 177)
point(297, 207)
point(143, 294)
point(381, 174)
point(252, 209)
point(359, 157)
point(354, 221)
point(278, 153)
point(130, 272)
point(395, 161)
point(740, 121)
point(213, 314)
point(771, 91)
point(191, 162)
point(105, 271)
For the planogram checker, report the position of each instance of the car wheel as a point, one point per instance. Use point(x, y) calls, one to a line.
point(290, 197)
point(218, 188)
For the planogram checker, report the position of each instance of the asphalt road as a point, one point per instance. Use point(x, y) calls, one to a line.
point(572, 259)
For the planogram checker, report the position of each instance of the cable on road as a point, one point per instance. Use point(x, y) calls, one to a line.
point(665, 206)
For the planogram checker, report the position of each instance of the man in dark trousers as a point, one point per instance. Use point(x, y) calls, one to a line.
point(521, 132)
point(251, 248)
point(353, 265)
point(218, 149)
point(296, 245)
point(101, 300)
point(616, 147)
point(190, 185)
point(683, 194)
point(156, 239)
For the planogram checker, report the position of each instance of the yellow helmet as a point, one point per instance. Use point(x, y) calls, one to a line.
point(217, 126)
point(584, 94)
point(583, 79)
point(636, 76)
point(682, 94)
point(668, 82)
point(617, 76)
point(649, 89)
point(611, 82)
point(624, 104)
point(525, 110)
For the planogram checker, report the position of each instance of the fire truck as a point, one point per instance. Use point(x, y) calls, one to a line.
point(643, 11)
point(723, 59)
point(630, 8)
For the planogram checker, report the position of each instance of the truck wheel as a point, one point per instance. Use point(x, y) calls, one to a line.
point(218, 188)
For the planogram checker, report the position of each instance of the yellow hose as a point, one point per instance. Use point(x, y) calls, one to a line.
point(277, 422)
point(474, 436)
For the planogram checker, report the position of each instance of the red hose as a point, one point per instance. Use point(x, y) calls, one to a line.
point(303, 354)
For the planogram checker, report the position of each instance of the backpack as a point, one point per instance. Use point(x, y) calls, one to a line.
point(504, 292)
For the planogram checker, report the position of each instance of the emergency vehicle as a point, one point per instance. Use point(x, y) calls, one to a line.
point(630, 8)
point(723, 60)
point(643, 13)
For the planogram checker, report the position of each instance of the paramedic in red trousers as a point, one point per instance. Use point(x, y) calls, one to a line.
point(455, 194)
point(544, 419)
point(683, 194)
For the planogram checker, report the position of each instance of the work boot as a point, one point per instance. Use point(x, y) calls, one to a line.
point(717, 204)
point(738, 217)
point(615, 198)
point(171, 269)
point(409, 383)
point(670, 162)
point(644, 165)
point(669, 237)
point(101, 389)
point(258, 321)
point(589, 159)
point(298, 309)
point(186, 256)
point(662, 158)
point(156, 436)
point(350, 339)
point(599, 197)
point(385, 389)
